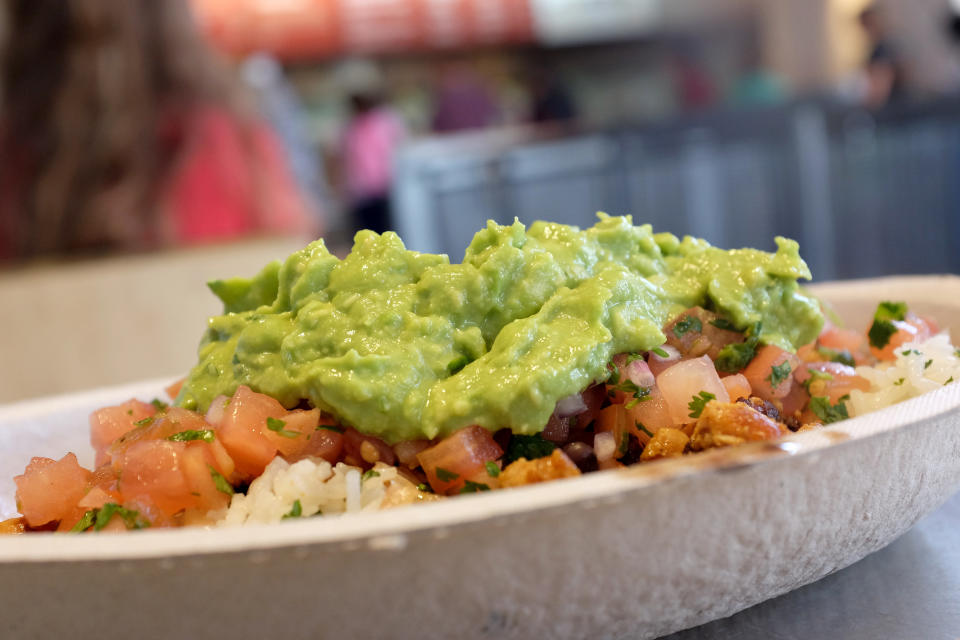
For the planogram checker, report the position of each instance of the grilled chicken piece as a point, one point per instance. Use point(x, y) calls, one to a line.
point(553, 467)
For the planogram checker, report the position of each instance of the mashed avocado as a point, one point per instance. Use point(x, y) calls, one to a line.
point(405, 345)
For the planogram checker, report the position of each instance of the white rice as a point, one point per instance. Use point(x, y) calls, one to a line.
point(320, 488)
point(920, 367)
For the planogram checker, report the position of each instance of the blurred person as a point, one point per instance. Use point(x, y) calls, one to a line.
point(282, 107)
point(883, 70)
point(756, 85)
point(119, 131)
point(372, 136)
point(463, 100)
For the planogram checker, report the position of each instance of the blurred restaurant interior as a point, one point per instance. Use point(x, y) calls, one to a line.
point(132, 127)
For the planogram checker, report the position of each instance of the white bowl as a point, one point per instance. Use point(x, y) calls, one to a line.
point(634, 553)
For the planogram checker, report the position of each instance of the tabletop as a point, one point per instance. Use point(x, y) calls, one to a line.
point(909, 590)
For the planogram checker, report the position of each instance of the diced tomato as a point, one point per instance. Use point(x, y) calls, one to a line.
point(296, 433)
point(737, 386)
point(364, 451)
point(459, 457)
point(761, 375)
point(326, 443)
point(174, 389)
point(794, 401)
point(97, 497)
point(153, 468)
point(912, 328)
point(109, 423)
point(693, 334)
point(196, 461)
point(841, 381)
point(842, 339)
point(684, 381)
point(242, 430)
point(49, 490)
point(647, 417)
point(614, 419)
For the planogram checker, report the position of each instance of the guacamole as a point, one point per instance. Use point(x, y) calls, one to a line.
point(404, 345)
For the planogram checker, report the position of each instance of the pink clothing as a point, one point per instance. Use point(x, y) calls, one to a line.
point(368, 146)
point(229, 182)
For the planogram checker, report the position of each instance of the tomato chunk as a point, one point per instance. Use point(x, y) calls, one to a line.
point(110, 423)
point(49, 490)
point(458, 458)
point(770, 372)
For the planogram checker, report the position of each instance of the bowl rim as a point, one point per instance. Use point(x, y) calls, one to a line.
point(389, 529)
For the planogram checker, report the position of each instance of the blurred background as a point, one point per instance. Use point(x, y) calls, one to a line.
point(195, 137)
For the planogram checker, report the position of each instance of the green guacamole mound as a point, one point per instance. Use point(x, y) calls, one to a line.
point(404, 345)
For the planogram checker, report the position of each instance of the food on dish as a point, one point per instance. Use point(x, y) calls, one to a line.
point(393, 377)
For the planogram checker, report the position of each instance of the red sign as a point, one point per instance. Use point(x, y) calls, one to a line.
point(318, 28)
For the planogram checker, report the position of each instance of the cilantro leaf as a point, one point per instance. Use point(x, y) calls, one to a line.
point(85, 522)
point(159, 404)
point(277, 426)
point(529, 447)
point(821, 407)
point(643, 428)
point(687, 324)
point(737, 355)
point(473, 487)
point(492, 469)
point(633, 357)
point(369, 473)
point(220, 482)
point(330, 427)
point(899, 382)
point(883, 328)
point(444, 475)
point(129, 517)
point(660, 352)
point(779, 373)
point(843, 356)
point(423, 487)
point(206, 435)
point(698, 403)
point(144, 422)
point(814, 376)
point(295, 511)
point(723, 323)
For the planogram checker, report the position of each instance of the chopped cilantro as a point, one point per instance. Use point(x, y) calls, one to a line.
point(723, 323)
point(220, 482)
point(629, 387)
point(907, 352)
point(492, 469)
point(295, 511)
point(193, 434)
point(129, 412)
point(128, 516)
point(883, 328)
point(529, 447)
point(821, 407)
point(949, 380)
point(614, 374)
point(926, 365)
point(633, 357)
point(144, 422)
point(443, 475)
point(624, 445)
point(779, 373)
point(457, 364)
point(423, 487)
point(660, 352)
point(687, 324)
point(370, 473)
point(277, 426)
point(698, 402)
point(473, 487)
point(737, 355)
point(643, 428)
point(159, 404)
point(330, 427)
point(86, 521)
point(843, 356)
point(899, 382)
point(814, 376)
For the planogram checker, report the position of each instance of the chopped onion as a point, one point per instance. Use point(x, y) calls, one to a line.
point(217, 408)
point(639, 373)
point(570, 406)
point(605, 446)
point(407, 451)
